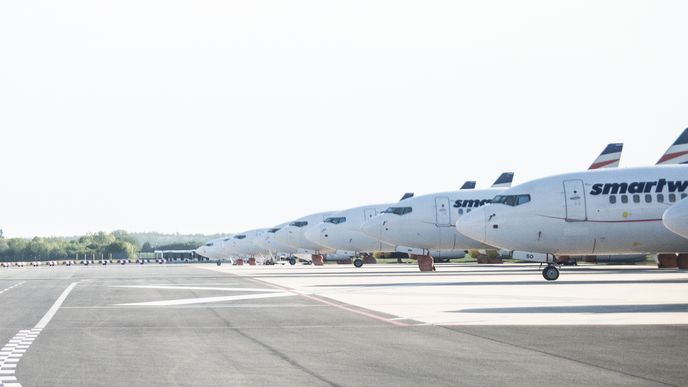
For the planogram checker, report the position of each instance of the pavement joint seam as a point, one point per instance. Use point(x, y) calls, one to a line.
point(562, 357)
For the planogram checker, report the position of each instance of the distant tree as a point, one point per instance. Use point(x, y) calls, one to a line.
point(147, 248)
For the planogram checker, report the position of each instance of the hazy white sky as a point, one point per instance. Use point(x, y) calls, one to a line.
point(221, 116)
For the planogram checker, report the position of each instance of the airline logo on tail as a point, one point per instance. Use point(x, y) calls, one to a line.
point(504, 180)
point(609, 158)
point(677, 152)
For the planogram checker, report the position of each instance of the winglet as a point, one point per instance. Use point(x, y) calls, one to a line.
point(468, 185)
point(407, 195)
point(504, 180)
point(677, 152)
point(609, 158)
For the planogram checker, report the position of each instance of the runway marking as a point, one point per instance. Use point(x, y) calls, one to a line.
point(12, 287)
point(338, 306)
point(168, 287)
point(12, 352)
point(203, 300)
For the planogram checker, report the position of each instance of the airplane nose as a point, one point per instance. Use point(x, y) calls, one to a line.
point(473, 225)
point(313, 234)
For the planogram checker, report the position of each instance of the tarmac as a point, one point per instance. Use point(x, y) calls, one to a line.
point(387, 324)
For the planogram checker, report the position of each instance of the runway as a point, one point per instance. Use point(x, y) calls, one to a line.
point(162, 325)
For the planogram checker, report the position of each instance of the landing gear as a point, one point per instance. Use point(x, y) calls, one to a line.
point(550, 273)
point(292, 261)
point(358, 262)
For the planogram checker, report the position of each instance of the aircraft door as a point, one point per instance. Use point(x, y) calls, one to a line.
point(574, 194)
point(442, 211)
point(368, 214)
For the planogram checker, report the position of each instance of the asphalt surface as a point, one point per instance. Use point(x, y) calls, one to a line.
point(166, 325)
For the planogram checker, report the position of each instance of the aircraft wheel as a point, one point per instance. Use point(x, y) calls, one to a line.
point(292, 261)
point(550, 273)
point(358, 262)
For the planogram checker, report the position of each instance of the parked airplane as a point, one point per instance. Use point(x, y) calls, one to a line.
point(216, 249)
point(245, 247)
point(293, 235)
point(675, 218)
point(611, 211)
point(276, 249)
point(423, 224)
point(341, 231)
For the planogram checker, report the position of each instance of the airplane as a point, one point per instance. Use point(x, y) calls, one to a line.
point(425, 224)
point(677, 152)
point(276, 249)
point(675, 218)
point(341, 231)
point(604, 211)
point(215, 249)
point(244, 245)
point(293, 235)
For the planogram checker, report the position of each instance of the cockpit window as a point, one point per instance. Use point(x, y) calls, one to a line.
point(398, 210)
point(239, 236)
point(273, 230)
point(227, 239)
point(336, 219)
point(511, 200)
point(209, 244)
point(299, 223)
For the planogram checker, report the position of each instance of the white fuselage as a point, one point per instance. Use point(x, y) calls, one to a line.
point(294, 234)
point(215, 249)
point(341, 231)
point(244, 243)
point(675, 218)
point(611, 211)
point(268, 242)
point(427, 222)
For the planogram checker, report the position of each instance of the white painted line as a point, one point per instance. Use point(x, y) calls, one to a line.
point(169, 287)
point(6, 372)
point(51, 312)
point(8, 378)
point(12, 385)
point(12, 287)
point(188, 301)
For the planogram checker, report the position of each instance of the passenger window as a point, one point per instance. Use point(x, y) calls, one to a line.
point(636, 198)
point(648, 198)
point(672, 197)
point(683, 195)
point(660, 198)
point(468, 210)
point(460, 211)
point(612, 199)
point(624, 199)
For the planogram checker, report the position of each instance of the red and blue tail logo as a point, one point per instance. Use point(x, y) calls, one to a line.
point(677, 152)
point(609, 158)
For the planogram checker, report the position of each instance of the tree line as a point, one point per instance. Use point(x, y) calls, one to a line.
point(116, 245)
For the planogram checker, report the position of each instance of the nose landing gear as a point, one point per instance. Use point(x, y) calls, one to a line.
point(550, 273)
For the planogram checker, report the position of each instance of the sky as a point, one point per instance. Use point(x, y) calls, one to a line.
point(223, 116)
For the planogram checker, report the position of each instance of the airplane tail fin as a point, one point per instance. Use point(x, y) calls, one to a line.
point(468, 185)
point(609, 158)
point(504, 180)
point(407, 195)
point(677, 152)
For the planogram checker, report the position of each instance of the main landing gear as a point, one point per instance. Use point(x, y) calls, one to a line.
point(551, 272)
point(358, 262)
point(292, 261)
